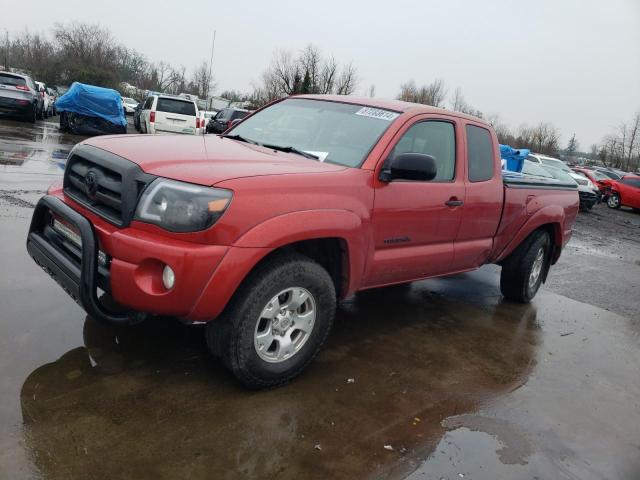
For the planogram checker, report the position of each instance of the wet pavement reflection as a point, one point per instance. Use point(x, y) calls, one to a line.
point(414, 356)
point(32, 154)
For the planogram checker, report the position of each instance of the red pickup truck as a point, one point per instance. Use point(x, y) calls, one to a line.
point(259, 231)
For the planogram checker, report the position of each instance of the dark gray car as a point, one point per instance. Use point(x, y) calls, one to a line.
point(19, 96)
point(224, 118)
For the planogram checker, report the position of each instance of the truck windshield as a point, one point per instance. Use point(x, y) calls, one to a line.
point(333, 132)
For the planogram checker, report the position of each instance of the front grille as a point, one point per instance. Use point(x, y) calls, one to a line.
point(105, 183)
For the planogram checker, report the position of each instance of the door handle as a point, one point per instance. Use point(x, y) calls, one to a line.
point(453, 202)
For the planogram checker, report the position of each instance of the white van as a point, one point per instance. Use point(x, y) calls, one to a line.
point(169, 114)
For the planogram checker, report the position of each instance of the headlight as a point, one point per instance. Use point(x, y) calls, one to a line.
point(181, 207)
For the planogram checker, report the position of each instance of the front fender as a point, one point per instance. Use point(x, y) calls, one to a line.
point(255, 244)
point(309, 225)
point(553, 215)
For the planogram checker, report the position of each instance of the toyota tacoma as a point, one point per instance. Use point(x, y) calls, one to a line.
point(260, 231)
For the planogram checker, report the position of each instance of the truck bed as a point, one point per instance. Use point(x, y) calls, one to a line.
point(532, 200)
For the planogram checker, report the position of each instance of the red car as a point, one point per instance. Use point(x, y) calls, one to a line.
point(625, 192)
point(258, 232)
point(599, 179)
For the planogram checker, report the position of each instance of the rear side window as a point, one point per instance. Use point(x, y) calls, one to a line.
point(238, 114)
point(147, 103)
point(11, 80)
point(223, 114)
point(479, 154)
point(172, 105)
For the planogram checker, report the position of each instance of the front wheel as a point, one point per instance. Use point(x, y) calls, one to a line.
point(614, 201)
point(523, 271)
point(276, 322)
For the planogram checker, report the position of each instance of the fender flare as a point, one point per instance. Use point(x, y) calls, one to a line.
point(293, 227)
point(550, 215)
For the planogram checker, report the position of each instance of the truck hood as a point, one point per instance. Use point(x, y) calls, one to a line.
point(205, 159)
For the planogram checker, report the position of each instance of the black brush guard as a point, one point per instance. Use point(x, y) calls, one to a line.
point(79, 281)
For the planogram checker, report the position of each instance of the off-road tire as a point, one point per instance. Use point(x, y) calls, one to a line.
point(231, 336)
point(517, 268)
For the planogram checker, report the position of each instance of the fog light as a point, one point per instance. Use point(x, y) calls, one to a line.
point(168, 277)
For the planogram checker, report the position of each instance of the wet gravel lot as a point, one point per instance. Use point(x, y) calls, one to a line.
point(439, 380)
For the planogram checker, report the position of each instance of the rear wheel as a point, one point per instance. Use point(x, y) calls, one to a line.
point(523, 271)
point(276, 322)
point(614, 201)
point(32, 115)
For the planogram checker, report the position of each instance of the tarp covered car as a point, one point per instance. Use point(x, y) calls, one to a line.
point(90, 110)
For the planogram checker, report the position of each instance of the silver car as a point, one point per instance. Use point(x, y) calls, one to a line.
point(19, 96)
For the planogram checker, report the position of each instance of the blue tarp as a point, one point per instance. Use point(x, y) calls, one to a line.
point(514, 157)
point(93, 101)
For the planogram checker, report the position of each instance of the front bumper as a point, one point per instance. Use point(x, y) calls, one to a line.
point(587, 200)
point(79, 281)
point(132, 274)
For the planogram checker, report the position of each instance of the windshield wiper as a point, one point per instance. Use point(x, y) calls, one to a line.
point(292, 150)
point(240, 138)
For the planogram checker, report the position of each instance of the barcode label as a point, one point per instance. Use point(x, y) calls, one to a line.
point(378, 113)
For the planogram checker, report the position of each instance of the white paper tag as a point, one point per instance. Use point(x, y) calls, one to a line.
point(321, 155)
point(378, 113)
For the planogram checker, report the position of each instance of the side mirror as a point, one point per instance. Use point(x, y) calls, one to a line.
point(410, 166)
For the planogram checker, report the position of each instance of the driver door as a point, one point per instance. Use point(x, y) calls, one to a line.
point(415, 223)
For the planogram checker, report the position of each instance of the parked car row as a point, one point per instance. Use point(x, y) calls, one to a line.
point(161, 113)
point(595, 184)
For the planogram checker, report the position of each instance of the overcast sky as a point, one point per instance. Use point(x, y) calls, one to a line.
point(574, 63)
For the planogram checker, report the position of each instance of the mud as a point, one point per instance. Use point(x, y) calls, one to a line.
point(457, 382)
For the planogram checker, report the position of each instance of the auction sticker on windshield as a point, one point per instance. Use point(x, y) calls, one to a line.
point(321, 155)
point(378, 113)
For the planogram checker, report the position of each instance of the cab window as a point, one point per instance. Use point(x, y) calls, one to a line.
point(479, 154)
point(435, 138)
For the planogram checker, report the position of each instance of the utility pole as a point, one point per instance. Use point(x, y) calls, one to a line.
point(6, 50)
point(213, 45)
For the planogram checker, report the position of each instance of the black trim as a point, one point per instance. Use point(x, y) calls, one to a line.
point(524, 181)
point(80, 281)
point(119, 183)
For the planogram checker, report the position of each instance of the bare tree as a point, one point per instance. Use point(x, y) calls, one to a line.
point(503, 132)
point(201, 83)
point(545, 138)
point(371, 92)
point(347, 81)
point(459, 104)
point(633, 147)
point(572, 146)
point(308, 72)
point(621, 149)
point(88, 53)
point(432, 94)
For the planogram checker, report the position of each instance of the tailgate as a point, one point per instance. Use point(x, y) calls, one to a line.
point(9, 91)
point(175, 123)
